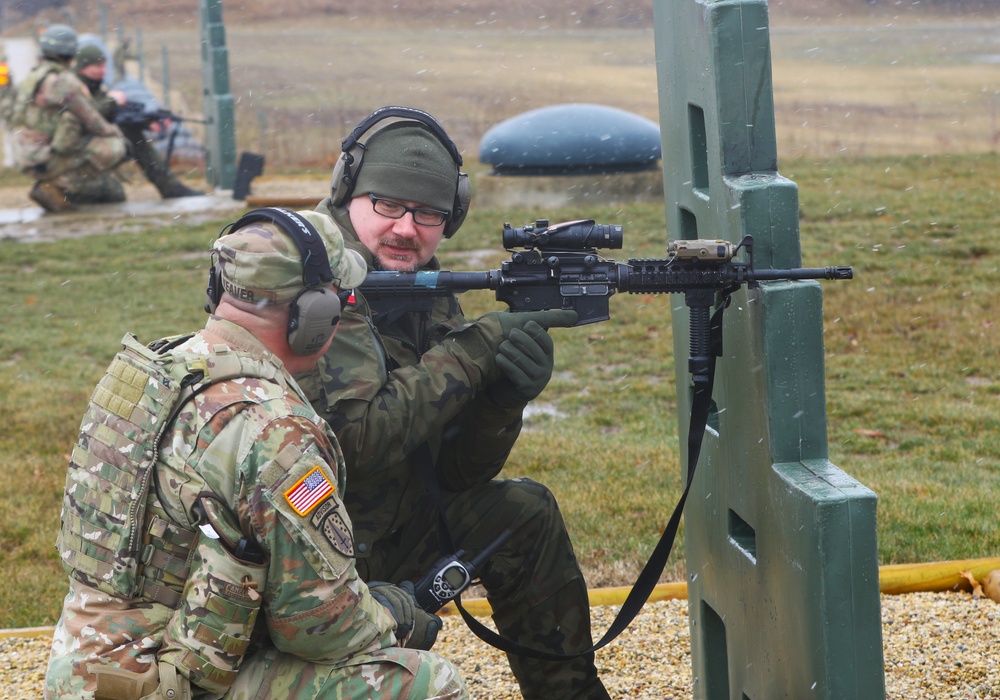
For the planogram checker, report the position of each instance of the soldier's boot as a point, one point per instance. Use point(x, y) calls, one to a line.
point(86, 187)
point(181, 190)
point(561, 624)
point(50, 197)
point(157, 170)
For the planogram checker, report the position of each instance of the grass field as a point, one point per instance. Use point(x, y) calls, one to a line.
point(910, 361)
point(871, 122)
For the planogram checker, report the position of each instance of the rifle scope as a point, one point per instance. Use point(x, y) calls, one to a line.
point(571, 235)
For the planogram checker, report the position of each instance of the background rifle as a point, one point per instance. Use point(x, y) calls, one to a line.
point(135, 114)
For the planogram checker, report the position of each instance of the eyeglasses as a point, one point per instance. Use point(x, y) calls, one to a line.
point(392, 209)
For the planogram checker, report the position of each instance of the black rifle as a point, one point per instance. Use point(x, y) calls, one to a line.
point(135, 115)
point(558, 267)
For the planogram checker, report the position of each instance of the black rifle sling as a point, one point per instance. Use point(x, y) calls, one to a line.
point(424, 463)
point(701, 403)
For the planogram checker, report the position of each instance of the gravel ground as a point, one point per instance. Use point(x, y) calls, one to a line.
point(938, 646)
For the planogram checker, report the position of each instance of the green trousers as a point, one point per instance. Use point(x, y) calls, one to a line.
point(533, 582)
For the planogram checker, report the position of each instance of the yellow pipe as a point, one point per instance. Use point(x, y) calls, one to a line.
point(935, 576)
point(892, 579)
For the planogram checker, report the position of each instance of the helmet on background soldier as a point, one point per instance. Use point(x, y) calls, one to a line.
point(58, 41)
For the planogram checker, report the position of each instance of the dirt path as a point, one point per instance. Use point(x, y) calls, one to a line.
point(23, 220)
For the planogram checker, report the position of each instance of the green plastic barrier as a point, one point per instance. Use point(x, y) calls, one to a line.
point(220, 131)
point(781, 545)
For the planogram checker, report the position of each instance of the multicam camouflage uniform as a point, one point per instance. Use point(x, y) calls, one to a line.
point(400, 377)
point(153, 165)
point(59, 135)
point(252, 440)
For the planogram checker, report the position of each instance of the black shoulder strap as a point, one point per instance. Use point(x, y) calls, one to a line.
point(423, 461)
point(704, 380)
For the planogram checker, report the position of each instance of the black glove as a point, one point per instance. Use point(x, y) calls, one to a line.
point(415, 628)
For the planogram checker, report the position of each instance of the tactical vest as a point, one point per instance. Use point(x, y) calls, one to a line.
point(25, 112)
point(117, 539)
point(108, 540)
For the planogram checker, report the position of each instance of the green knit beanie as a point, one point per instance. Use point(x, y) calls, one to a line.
point(405, 161)
point(88, 55)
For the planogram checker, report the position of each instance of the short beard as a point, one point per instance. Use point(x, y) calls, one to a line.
point(396, 243)
point(379, 266)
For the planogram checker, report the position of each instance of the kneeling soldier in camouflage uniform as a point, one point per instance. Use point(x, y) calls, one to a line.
point(416, 392)
point(60, 138)
point(203, 526)
point(90, 67)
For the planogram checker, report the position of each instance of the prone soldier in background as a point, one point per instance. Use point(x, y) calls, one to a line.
point(207, 545)
point(60, 138)
point(90, 67)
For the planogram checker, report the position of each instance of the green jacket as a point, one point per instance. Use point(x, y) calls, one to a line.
point(401, 376)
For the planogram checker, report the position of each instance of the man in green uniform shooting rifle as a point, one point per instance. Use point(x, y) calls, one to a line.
point(423, 399)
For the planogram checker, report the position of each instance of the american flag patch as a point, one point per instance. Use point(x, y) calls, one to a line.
point(309, 491)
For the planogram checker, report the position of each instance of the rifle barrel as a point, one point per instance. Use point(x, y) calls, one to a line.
point(426, 283)
point(840, 272)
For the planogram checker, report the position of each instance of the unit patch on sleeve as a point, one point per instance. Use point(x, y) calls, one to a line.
point(308, 491)
point(328, 520)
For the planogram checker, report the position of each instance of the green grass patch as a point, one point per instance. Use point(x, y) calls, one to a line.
point(912, 379)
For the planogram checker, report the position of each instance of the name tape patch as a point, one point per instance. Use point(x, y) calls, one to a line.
point(309, 491)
